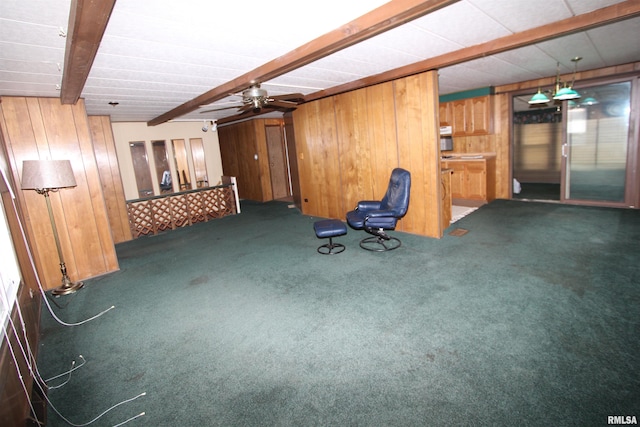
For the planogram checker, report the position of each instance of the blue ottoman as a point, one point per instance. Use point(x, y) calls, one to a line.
point(330, 228)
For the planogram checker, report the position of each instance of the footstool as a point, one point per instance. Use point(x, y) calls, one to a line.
point(330, 228)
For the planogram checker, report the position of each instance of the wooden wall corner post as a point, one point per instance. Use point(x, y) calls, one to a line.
point(418, 130)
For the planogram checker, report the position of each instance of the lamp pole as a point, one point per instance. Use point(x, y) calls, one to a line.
point(67, 286)
point(45, 176)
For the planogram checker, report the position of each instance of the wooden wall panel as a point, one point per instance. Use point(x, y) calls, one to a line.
point(109, 170)
point(418, 138)
point(318, 159)
point(354, 148)
point(348, 144)
point(502, 145)
point(15, 404)
point(382, 135)
point(228, 146)
point(238, 146)
point(42, 128)
point(14, 407)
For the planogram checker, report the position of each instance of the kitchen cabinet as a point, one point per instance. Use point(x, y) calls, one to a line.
point(446, 113)
point(473, 178)
point(471, 116)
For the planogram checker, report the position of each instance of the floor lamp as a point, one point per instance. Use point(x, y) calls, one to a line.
point(44, 176)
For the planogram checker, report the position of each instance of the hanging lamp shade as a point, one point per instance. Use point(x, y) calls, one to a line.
point(590, 101)
point(538, 98)
point(565, 94)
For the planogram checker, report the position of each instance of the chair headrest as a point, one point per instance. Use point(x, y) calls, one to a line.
point(397, 196)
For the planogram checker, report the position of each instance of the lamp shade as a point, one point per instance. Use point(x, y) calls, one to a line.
point(47, 174)
point(538, 98)
point(566, 93)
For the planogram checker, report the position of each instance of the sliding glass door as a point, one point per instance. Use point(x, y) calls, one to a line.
point(597, 140)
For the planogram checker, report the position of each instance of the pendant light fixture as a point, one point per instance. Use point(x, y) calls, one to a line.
point(561, 92)
point(567, 93)
point(539, 98)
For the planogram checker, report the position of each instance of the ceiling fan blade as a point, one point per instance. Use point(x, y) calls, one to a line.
point(292, 97)
point(243, 116)
point(245, 108)
point(219, 109)
point(282, 104)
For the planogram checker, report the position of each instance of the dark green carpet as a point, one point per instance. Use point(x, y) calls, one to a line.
point(538, 191)
point(531, 318)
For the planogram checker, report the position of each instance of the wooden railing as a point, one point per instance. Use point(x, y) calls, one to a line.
point(152, 215)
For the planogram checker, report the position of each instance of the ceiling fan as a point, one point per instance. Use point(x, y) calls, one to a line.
point(255, 100)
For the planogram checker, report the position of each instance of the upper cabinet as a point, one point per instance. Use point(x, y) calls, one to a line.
point(468, 117)
point(446, 113)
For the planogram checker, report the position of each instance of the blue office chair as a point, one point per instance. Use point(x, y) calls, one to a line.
point(375, 217)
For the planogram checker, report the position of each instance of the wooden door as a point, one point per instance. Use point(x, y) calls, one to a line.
point(277, 162)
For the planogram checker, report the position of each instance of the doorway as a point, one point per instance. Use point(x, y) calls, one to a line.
point(575, 151)
point(278, 165)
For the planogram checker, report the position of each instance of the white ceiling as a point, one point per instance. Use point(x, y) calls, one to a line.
point(156, 55)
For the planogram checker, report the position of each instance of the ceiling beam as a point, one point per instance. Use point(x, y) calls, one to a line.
point(87, 22)
point(607, 15)
point(388, 16)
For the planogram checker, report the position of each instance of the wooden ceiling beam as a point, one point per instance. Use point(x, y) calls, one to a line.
point(87, 22)
point(607, 15)
point(388, 16)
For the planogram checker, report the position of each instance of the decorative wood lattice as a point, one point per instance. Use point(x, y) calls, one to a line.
point(168, 212)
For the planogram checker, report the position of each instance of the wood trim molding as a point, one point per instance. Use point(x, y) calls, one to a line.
point(384, 18)
point(87, 23)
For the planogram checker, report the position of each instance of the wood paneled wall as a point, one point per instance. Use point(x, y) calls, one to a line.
point(104, 148)
point(43, 128)
point(15, 407)
point(348, 144)
point(239, 144)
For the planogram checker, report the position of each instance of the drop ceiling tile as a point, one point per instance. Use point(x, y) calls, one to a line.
point(412, 40)
point(583, 6)
point(572, 46)
point(612, 42)
point(519, 15)
point(462, 24)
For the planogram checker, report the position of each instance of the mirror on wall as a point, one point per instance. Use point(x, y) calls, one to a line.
point(199, 164)
point(141, 168)
point(163, 172)
point(182, 166)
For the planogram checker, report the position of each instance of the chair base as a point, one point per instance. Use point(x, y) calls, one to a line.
point(380, 243)
point(331, 248)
